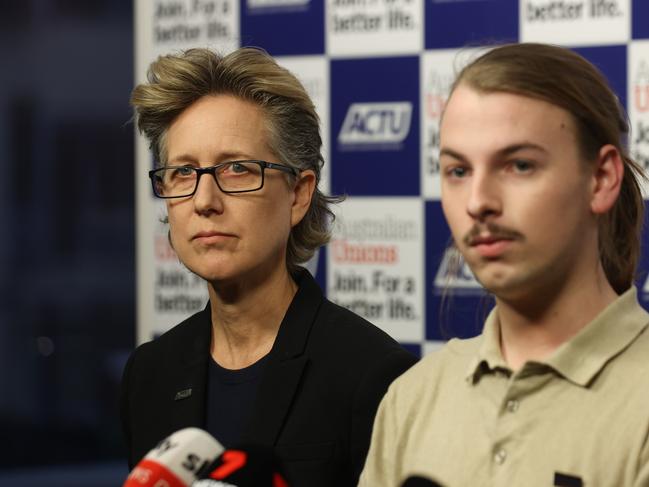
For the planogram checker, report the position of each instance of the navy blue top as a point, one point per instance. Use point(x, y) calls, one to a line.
point(230, 397)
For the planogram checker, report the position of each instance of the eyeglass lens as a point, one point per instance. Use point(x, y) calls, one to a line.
point(234, 176)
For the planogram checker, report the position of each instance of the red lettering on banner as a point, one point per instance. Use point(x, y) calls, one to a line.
point(163, 250)
point(344, 251)
point(435, 105)
point(642, 98)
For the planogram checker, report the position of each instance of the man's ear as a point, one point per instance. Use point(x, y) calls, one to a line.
point(303, 193)
point(607, 179)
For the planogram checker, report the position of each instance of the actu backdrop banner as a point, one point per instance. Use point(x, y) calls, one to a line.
point(379, 72)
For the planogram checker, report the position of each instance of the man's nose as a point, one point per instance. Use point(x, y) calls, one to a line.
point(484, 198)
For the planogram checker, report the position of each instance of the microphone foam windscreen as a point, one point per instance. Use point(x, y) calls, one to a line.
point(175, 460)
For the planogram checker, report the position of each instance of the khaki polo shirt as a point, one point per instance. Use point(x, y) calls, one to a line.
point(461, 417)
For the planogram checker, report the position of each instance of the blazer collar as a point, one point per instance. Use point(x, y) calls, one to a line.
point(291, 337)
point(285, 365)
point(187, 385)
point(294, 330)
point(198, 350)
point(281, 378)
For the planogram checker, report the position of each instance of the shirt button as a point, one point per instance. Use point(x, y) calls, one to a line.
point(500, 456)
point(512, 405)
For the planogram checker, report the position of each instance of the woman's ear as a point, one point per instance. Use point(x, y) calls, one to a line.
point(303, 193)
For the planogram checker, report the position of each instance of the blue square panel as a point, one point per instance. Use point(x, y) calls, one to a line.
point(457, 23)
point(640, 19)
point(283, 27)
point(413, 348)
point(456, 305)
point(375, 126)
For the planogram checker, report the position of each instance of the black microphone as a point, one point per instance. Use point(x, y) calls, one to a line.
point(417, 481)
point(245, 466)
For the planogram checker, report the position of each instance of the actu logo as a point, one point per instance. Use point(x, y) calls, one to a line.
point(370, 124)
point(454, 274)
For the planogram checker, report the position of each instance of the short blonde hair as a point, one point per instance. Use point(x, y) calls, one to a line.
point(175, 82)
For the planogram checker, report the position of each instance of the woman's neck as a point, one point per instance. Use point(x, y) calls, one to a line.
point(246, 315)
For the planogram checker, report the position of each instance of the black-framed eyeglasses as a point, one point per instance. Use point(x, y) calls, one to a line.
point(230, 177)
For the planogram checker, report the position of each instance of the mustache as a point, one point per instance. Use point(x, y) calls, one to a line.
point(497, 232)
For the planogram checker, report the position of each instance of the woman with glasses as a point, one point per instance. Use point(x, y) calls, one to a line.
point(269, 361)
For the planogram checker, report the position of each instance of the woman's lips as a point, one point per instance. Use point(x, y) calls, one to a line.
point(211, 237)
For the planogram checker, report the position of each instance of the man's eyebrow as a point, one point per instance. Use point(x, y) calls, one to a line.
point(444, 151)
point(511, 149)
point(505, 151)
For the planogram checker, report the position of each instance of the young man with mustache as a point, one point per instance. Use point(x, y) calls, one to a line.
point(544, 204)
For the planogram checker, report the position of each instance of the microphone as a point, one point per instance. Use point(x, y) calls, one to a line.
point(246, 466)
point(176, 460)
point(417, 481)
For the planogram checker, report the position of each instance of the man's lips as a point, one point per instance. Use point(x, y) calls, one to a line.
point(490, 246)
point(491, 240)
point(487, 239)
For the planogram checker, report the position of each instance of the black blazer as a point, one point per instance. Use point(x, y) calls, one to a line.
point(326, 374)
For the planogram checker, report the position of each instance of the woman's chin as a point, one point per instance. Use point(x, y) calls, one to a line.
point(231, 270)
point(215, 276)
point(225, 273)
point(214, 272)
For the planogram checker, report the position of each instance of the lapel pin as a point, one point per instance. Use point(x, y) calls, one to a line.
point(184, 394)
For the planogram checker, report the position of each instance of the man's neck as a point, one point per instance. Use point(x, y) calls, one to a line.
point(532, 329)
point(246, 316)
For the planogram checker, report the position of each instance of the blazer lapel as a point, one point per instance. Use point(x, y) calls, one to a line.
point(187, 387)
point(285, 366)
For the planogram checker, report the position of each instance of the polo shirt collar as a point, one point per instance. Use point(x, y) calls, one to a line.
point(489, 357)
point(581, 358)
point(614, 329)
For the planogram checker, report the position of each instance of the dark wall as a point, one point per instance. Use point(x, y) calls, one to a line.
point(67, 280)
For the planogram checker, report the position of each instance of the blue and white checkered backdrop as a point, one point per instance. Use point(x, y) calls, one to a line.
point(379, 72)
